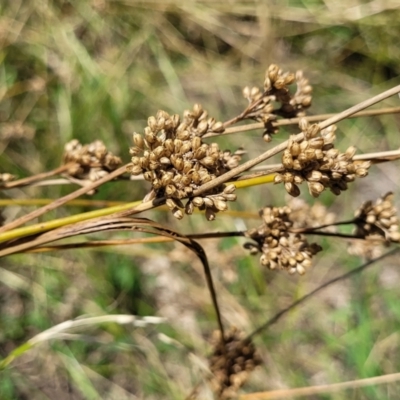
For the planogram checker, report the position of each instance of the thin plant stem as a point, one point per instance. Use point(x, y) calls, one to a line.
point(122, 242)
point(295, 121)
point(295, 304)
point(277, 149)
point(57, 203)
point(321, 389)
point(57, 223)
point(125, 210)
point(72, 203)
point(375, 158)
point(34, 178)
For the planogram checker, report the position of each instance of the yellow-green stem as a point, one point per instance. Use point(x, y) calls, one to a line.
point(57, 223)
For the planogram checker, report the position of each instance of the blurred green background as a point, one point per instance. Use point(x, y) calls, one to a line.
point(96, 70)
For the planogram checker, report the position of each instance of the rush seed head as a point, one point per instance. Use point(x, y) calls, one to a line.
point(172, 156)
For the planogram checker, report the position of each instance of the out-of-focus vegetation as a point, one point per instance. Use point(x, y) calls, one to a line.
point(96, 70)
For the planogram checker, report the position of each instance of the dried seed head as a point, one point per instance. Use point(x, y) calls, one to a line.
point(262, 103)
point(173, 158)
point(92, 161)
point(231, 361)
point(317, 162)
point(279, 247)
point(378, 219)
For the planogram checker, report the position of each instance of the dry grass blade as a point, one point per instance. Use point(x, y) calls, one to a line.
point(327, 389)
point(59, 331)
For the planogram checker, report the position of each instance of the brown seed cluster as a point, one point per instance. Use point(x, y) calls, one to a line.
point(378, 219)
point(172, 156)
point(231, 362)
point(280, 248)
point(316, 161)
point(92, 161)
point(276, 90)
point(367, 249)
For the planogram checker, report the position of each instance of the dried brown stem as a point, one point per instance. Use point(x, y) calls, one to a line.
point(57, 203)
point(35, 178)
point(375, 158)
point(244, 114)
point(277, 149)
point(355, 271)
point(122, 242)
point(329, 389)
point(295, 121)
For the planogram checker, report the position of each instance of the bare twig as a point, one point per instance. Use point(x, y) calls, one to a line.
point(320, 389)
point(355, 271)
point(277, 149)
point(35, 178)
point(375, 158)
point(122, 242)
point(295, 121)
point(57, 203)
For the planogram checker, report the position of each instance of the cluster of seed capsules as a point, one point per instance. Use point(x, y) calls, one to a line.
point(316, 161)
point(231, 362)
point(172, 156)
point(378, 220)
point(90, 162)
point(279, 248)
point(262, 105)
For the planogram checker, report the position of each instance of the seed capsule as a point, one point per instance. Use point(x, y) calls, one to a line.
point(198, 201)
point(134, 169)
point(208, 202)
point(170, 190)
point(189, 208)
point(220, 205)
point(202, 128)
point(230, 188)
point(230, 197)
point(315, 188)
point(292, 189)
point(178, 214)
point(218, 127)
point(210, 214)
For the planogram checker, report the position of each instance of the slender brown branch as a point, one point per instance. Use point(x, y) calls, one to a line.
point(122, 242)
point(312, 229)
point(277, 149)
point(35, 178)
point(199, 251)
point(355, 271)
point(295, 121)
point(57, 203)
point(358, 107)
point(375, 158)
point(244, 114)
point(329, 389)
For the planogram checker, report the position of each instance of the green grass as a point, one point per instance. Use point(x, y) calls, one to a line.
point(96, 70)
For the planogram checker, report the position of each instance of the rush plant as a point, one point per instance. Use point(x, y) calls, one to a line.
point(186, 172)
